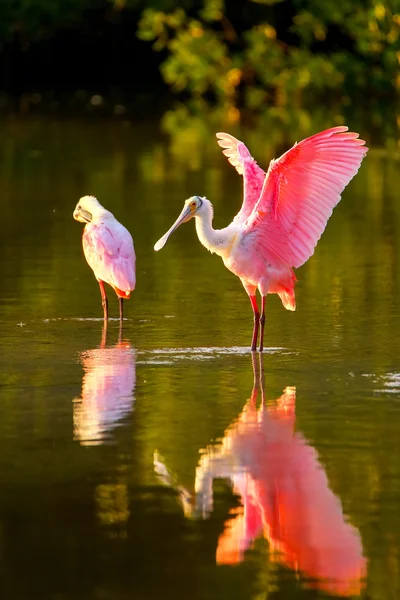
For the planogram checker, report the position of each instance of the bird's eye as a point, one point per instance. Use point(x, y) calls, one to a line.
point(193, 204)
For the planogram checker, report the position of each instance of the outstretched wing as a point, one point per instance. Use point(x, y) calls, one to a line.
point(109, 252)
point(253, 176)
point(300, 192)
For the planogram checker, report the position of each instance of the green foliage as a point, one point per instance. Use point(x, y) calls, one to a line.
point(373, 30)
point(199, 59)
point(286, 52)
point(339, 48)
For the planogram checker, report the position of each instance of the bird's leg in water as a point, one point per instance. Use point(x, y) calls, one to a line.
point(256, 322)
point(262, 321)
point(104, 300)
point(121, 309)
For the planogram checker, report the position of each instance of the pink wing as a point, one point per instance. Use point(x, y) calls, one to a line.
point(300, 192)
point(109, 252)
point(253, 176)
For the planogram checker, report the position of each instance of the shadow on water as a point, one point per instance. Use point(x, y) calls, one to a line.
point(284, 496)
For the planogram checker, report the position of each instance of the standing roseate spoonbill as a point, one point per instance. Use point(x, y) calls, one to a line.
point(108, 249)
point(283, 214)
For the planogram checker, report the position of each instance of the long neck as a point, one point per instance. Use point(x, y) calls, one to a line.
point(215, 240)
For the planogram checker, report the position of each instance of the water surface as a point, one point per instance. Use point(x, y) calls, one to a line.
point(153, 462)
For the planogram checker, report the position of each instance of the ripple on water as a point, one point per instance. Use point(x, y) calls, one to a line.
point(96, 319)
point(389, 383)
point(173, 355)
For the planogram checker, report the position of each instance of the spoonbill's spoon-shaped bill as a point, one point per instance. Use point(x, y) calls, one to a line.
point(283, 215)
point(185, 216)
point(108, 249)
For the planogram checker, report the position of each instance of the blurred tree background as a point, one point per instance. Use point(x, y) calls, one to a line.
point(241, 54)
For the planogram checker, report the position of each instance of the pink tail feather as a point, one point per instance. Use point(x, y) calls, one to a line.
point(288, 299)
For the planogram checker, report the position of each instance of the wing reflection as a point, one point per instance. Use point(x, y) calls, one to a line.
point(284, 494)
point(107, 390)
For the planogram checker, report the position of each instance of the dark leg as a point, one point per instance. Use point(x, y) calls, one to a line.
point(262, 321)
point(104, 300)
point(256, 322)
point(121, 309)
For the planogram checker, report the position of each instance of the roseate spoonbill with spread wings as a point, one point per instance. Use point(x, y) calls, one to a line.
point(283, 214)
point(108, 249)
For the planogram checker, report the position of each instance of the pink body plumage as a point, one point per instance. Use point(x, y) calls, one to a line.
point(108, 249)
point(285, 211)
point(283, 214)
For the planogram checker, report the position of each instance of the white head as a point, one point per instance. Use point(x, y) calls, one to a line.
point(196, 206)
point(87, 209)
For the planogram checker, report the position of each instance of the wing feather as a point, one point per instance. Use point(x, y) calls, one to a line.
point(108, 249)
point(300, 192)
point(253, 176)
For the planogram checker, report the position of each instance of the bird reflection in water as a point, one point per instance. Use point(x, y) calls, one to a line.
point(284, 494)
point(107, 390)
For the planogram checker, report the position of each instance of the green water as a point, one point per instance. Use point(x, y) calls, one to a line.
point(123, 455)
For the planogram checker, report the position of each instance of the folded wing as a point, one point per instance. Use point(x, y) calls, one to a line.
point(111, 255)
point(253, 176)
point(300, 192)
